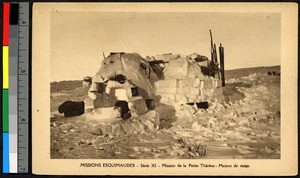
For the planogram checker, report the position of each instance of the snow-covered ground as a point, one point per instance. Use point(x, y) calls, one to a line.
point(245, 123)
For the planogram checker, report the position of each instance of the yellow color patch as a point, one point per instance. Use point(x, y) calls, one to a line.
point(5, 67)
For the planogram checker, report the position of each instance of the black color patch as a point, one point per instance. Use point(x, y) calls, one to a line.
point(14, 14)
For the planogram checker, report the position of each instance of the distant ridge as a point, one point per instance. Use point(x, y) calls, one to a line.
point(260, 67)
point(242, 72)
point(65, 85)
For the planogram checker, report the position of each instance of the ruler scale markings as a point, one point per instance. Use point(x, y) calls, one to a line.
point(23, 81)
point(23, 67)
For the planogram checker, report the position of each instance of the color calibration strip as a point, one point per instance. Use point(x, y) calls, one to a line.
point(23, 85)
point(5, 90)
point(15, 87)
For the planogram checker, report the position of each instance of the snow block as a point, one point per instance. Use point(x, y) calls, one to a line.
point(199, 98)
point(172, 97)
point(195, 91)
point(88, 104)
point(169, 97)
point(181, 91)
point(190, 82)
point(139, 106)
point(181, 99)
point(209, 83)
point(192, 98)
point(185, 83)
point(196, 82)
point(166, 90)
point(177, 68)
point(201, 86)
point(208, 92)
point(219, 82)
point(164, 99)
point(168, 83)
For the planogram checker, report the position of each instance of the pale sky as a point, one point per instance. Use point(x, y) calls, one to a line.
point(79, 38)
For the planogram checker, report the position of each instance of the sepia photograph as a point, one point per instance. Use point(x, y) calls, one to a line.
point(164, 85)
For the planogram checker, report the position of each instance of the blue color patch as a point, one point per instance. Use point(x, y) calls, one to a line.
point(5, 152)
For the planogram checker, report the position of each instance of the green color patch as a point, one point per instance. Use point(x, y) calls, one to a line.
point(5, 110)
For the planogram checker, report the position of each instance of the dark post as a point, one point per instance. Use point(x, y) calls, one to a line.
point(103, 55)
point(211, 45)
point(221, 50)
point(212, 54)
point(223, 66)
point(216, 63)
point(215, 54)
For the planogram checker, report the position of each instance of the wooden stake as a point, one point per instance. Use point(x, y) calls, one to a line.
point(223, 83)
point(216, 63)
point(221, 50)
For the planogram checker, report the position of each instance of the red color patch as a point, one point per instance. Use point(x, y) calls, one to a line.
point(6, 7)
